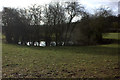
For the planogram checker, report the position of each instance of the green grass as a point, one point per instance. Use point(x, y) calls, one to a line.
point(99, 61)
point(85, 61)
point(112, 36)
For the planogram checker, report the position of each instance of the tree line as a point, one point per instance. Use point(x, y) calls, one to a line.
point(54, 22)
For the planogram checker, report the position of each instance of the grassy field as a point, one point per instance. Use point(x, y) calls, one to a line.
point(112, 36)
point(99, 61)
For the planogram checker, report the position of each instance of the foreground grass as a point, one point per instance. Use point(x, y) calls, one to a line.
point(80, 62)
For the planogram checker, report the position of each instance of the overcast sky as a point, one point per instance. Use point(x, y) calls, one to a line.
point(90, 5)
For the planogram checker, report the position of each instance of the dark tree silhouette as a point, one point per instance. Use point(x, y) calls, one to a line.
point(55, 23)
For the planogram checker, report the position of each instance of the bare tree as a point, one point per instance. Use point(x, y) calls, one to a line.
point(34, 14)
point(103, 12)
point(73, 9)
point(12, 22)
point(54, 17)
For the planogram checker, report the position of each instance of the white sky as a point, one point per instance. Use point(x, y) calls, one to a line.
point(90, 5)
